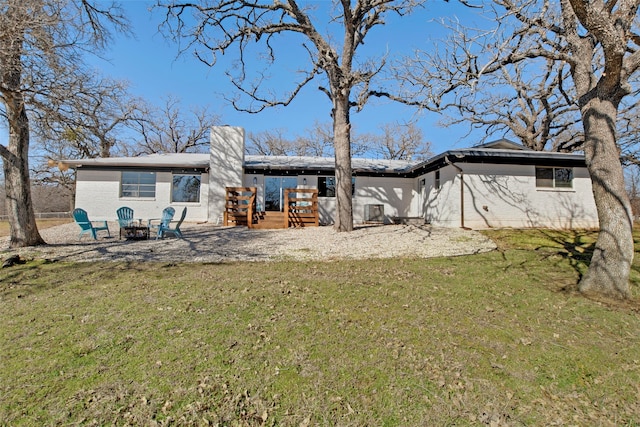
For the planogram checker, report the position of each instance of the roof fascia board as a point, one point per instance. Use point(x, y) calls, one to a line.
point(146, 168)
point(517, 157)
point(525, 158)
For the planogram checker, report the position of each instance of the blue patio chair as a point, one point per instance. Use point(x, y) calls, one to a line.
point(86, 226)
point(167, 216)
point(172, 230)
point(125, 218)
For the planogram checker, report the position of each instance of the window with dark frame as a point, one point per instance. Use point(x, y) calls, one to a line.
point(436, 184)
point(327, 186)
point(563, 177)
point(547, 177)
point(138, 184)
point(185, 188)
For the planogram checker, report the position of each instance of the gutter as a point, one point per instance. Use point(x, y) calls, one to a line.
point(461, 173)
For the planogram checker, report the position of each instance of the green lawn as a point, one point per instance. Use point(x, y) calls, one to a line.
point(499, 339)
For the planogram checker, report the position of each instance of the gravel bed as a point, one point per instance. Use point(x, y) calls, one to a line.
point(208, 243)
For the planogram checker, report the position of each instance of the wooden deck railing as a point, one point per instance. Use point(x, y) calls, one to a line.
point(301, 207)
point(240, 206)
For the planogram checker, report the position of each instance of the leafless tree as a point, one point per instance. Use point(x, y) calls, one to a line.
point(531, 104)
point(91, 123)
point(400, 142)
point(628, 126)
point(632, 180)
point(51, 198)
point(40, 40)
point(213, 27)
point(170, 129)
point(269, 143)
point(318, 141)
point(51, 171)
point(46, 198)
point(397, 141)
point(598, 42)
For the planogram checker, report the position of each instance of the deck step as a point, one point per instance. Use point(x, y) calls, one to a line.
point(269, 220)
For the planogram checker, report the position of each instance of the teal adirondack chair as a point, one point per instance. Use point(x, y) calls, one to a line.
point(167, 216)
point(165, 228)
point(125, 218)
point(86, 226)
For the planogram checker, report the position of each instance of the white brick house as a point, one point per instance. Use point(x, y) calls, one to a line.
point(500, 184)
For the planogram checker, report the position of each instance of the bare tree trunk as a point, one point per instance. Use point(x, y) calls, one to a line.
point(15, 155)
point(22, 223)
point(608, 272)
point(342, 144)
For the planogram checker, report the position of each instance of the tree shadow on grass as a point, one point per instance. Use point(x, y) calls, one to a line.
point(577, 247)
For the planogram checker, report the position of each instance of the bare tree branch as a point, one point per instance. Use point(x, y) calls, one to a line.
point(597, 43)
point(40, 40)
point(170, 130)
point(212, 28)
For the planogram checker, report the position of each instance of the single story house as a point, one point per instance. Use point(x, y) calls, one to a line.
point(499, 184)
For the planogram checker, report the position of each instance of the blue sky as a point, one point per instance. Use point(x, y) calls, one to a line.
point(151, 65)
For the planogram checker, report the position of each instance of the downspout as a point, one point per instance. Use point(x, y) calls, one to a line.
point(461, 172)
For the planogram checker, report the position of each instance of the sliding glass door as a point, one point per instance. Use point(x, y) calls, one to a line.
point(274, 191)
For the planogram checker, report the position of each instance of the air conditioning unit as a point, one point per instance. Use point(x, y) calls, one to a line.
point(373, 213)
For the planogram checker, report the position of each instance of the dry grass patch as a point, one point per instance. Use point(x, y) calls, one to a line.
point(42, 224)
point(489, 339)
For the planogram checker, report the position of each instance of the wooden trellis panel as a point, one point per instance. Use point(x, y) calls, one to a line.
point(240, 206)
point(301, 207)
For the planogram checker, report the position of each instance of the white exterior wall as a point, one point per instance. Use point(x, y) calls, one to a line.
point(507, 196)
point(441, 207)
point(226, 166)
point(98, 192)
point(494, 196)
point(396, 194)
